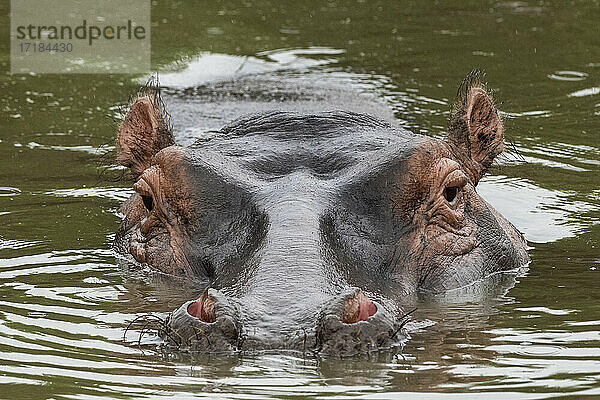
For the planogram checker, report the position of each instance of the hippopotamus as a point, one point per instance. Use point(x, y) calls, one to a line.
point(306, 229)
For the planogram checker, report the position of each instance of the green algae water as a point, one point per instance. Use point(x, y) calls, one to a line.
point(65, 304)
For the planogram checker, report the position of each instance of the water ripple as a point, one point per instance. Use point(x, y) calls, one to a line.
point(568, 76)
point(9, 191)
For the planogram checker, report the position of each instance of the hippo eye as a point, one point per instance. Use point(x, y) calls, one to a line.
point(148, 202)
point(450, 193)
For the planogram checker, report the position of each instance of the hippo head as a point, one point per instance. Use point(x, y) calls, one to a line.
point(306, 227)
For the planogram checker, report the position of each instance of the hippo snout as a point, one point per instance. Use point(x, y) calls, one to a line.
point(348, 324)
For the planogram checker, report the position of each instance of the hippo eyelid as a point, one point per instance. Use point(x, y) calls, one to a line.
point(456, 178)
point(142, 188)
point(454, 182)
point(145, 191)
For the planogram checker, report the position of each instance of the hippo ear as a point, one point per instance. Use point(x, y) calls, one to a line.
point(476, 129)
point(143, 133)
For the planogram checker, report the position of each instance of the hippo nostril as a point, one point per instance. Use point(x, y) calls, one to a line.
point(357, 307)
point(351, 324)
point(210, 323)
point(203, 308)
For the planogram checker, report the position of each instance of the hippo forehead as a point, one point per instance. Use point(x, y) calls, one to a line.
point(327, 146)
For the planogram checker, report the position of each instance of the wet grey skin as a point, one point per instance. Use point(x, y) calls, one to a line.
point(310, 229)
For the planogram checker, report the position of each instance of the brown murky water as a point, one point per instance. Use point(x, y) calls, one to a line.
point(64, 304)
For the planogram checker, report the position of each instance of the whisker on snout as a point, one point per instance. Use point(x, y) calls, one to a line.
point(150, 322)
point(404, 319)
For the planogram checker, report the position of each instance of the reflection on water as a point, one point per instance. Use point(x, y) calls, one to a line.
point(8, 191)
point(542, 215)
point(585, 92)
point(568, 76)
point(209, 67)
point(65, 304)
